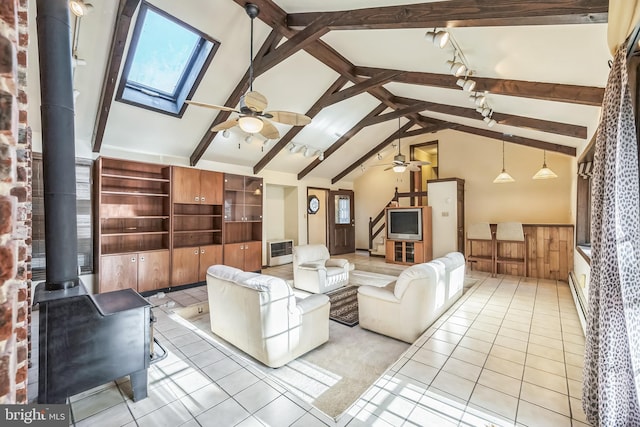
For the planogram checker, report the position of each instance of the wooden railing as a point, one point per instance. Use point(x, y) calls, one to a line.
point(378, 224)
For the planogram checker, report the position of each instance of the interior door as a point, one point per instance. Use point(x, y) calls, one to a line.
point(342, 222)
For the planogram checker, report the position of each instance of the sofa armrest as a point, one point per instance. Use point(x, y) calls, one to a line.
point(384, 294)
point(312, 302)
point(336, 262)
point(311, 266)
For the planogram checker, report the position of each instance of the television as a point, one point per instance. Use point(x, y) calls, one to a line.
point(404, 223)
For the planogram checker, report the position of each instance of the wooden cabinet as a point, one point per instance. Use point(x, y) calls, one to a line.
point(197, 186)
point(243, 222)
point(412, 251)
point(245, 256)
point(190, 264)
point(132, 217)
point(144, 271)
point(197, 224)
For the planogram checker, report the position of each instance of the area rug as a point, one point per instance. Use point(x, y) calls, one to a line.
point(332, 376)
point(344, 305)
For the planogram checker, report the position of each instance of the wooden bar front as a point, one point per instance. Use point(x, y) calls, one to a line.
point(550, 252)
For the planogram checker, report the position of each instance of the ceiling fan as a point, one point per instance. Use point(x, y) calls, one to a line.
point(252, 115)
point(400, 163)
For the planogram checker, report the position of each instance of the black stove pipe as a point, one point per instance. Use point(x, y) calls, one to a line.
point(58, 144)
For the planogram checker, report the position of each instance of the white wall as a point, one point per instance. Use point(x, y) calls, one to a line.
point(444, 210)
point(273, 212)
point(317, 223)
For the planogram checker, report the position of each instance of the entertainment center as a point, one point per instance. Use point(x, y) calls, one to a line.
point(409, 238)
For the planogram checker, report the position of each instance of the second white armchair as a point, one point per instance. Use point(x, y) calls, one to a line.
point(314, 271)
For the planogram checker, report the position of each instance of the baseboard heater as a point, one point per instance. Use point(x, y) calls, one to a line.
point(579, 299)
point(279, 252)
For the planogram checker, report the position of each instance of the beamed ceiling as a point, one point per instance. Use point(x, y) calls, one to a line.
point(362, 71)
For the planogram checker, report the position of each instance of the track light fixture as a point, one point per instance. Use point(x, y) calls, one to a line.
point(438, 38)
point(321, 156)
point(80, 8)
point(457, 68)
point(479, 100)
point(489, 121)
point(466, 84)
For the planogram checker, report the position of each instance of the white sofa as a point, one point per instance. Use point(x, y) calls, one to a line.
point(404, 309)
point(260, 315)
point(314, 271)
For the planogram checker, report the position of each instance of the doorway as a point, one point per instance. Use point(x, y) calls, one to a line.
point(342, 224)
point(428, 152)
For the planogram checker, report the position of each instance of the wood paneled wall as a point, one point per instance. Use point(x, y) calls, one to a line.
point(550, 252)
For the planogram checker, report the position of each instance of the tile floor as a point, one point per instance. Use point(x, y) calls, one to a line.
point(508, 353)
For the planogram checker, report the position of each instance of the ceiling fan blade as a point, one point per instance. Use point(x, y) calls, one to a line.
point(413, 168)
point(419, 162)
point(289, 118)
point(215, 107)
point(254, 101)
point(224, 125)
point(389, 168)
point(269, 131)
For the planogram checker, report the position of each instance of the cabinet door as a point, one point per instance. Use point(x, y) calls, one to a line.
point(184, 265)
point(186, 185)
point(252, 256)
point(211, 188)
point(388, 253)
point(234, 255)
point(209, 255)
point(118, 272)
point(153, 270)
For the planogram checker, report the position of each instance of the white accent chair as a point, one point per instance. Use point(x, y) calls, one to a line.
point(259, 315)
point(314, 271)
point(404, 309)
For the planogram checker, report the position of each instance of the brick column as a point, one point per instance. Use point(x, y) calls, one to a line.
point(15, 203)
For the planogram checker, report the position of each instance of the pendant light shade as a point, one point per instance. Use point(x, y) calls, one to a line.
point(545, 172)
point(504, 176)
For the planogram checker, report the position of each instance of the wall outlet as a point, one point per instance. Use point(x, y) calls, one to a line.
point(445, 213)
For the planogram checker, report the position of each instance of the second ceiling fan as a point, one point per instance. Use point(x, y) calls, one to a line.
point(252, 115)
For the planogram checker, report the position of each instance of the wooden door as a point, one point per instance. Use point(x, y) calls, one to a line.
point(234, 255)
point(342, 224)
point(252, 256)
point(209, 255)
point(118, 272)
point(184, 265)
point(211, 188)
point(186, 185)
point(153, 270)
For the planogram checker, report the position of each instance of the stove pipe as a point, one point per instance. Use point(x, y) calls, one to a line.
point(58, 144)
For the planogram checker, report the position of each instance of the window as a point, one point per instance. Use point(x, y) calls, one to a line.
point(83, 207)
point(343, 209)
point(583, 205)
point(166, 61)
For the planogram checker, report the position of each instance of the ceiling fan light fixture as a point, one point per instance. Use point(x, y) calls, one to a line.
point(249, 139)
point(438, 38)
point(80, 8)
point(250, 124)
point(399, 168)
point(545, 172)
point(466, 84)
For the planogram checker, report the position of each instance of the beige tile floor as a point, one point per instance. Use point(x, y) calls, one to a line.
point(508, 353)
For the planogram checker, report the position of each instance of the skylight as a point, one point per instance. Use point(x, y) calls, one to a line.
point(165, 62)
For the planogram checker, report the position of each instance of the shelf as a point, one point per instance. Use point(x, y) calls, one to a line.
point(132, 233)
point(214, 230)
point(136, 178)
point(130, 193)
point(135, 217)
point(179, 246)
point(199, 215)
point(137, 251)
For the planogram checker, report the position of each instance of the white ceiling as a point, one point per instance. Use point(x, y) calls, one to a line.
point(566, 54)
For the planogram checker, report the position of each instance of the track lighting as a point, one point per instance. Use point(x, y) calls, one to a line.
point(80, 8)
point(457, 68)
point(486, 111)
point(489, 121)
point(308, 151)
point(294, 148)
point(466, 84)
point(321, 156)
point(479, 100)
point(438, 38)
point(226, 133)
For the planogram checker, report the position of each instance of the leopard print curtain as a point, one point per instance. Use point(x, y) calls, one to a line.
point(611, 383)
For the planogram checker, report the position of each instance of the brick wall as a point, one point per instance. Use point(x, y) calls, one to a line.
point(15, 204)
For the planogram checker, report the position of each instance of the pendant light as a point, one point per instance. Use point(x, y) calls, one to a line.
point(545, 172)
point(399, 164)
point(504, 176)
point(251, 124)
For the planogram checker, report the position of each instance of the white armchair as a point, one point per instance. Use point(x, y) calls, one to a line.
point(314, 271)
point(405, 308)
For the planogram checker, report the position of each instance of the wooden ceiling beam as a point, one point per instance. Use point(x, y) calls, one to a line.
point(342, 140)
point(372, 152)
point(363, 86)
point(528, 142)
point(463, 13)
point(288, 137)
point(126, 9)
point(414, 107)
point(585, 95)
point(233, 99)
point(557, 128)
